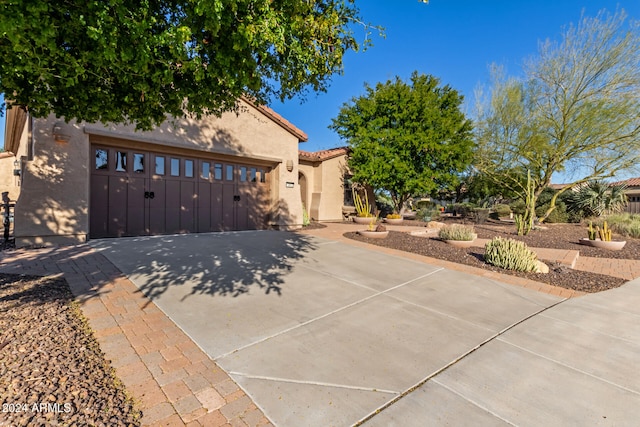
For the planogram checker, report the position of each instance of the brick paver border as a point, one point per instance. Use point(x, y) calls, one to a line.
point(174, 382)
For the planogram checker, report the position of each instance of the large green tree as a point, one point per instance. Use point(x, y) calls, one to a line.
point(406, 138)
point(577, 110)
point(137, 61)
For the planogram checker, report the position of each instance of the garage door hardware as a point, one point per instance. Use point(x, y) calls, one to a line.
point(236, 198)
point(149, 194)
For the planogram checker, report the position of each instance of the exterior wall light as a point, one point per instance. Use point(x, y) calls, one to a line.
point(16, 168)
point(59, 133)
point(290, 165)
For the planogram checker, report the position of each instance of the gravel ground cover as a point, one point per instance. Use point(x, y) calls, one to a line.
point(560, 236)
point(52, 371)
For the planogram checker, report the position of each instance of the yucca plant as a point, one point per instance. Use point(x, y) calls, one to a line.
point(597, 198)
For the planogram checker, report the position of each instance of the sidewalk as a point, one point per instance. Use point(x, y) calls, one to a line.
point(174, 381)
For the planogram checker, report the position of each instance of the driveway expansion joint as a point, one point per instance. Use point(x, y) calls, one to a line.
point(315, 319)
point(313, 383)
point(452, 363)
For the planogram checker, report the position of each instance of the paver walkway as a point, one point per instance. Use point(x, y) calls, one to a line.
point(175, 382)
point(627, 269)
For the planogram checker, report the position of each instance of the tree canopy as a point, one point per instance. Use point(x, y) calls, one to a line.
point(137, 61)
point(406, 138)
point(577, 111)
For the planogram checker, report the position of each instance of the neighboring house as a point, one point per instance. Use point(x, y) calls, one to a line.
point(324, 186)
point(633, 194)
point(79, 181)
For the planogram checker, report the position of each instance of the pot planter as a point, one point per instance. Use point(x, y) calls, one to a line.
point(462, 243)
point(373, 234)
point(363, 219)
point(393, 221)
point(614, 245)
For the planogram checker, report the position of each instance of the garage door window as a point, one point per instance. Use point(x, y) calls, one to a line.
point(217, 172)
point(138, 163)
point(175, 167)
point(205, 170)
point(159, 165)
point(121, 161)
point(243, 174)
point(252, 175)
point(229, 173)
point(188, 168)
point(102, 159)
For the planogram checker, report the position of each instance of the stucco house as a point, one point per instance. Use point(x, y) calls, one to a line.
point(632, 190)
point(76, 181)
point(325, 187)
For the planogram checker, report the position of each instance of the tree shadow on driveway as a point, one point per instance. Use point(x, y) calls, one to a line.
point(223, 264)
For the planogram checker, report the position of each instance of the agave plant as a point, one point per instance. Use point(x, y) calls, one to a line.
point(597, 198)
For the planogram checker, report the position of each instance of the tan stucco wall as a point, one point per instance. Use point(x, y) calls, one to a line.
point(53, 204)
point(8, 182)
point(325, 192)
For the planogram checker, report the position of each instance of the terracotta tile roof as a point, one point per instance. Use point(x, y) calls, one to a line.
point(284, 123)
point(319, 156)
point(557, 186)
point(631, 182)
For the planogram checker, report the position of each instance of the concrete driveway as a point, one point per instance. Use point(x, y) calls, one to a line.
point(322, 333)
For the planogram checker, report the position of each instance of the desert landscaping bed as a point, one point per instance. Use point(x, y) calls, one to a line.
point(558, 236)
point(52, 371)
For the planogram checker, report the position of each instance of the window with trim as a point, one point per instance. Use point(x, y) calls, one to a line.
point(102, 159)
point(204, 174)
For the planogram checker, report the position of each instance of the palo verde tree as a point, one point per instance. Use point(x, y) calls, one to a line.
point(131, 61)
point(406, 138)
point(577, 111)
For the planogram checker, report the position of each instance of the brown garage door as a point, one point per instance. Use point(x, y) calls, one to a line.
point(135, 192)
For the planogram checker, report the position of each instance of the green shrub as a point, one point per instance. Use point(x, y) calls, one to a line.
point(558, 216)
point(518, 207)
point(305, 216)
point(502, 210)
point(463, 209)
point(625, 224)
point(427, 215)
point(480, 215)
point(457, 232)
point(510, 254)
point(425, 204)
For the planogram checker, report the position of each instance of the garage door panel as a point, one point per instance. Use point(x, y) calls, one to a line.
point(172, 207)
point(157, 212)
point(117, 206)
point(203, 207)
point(98, 209)
point(187, 207)
point(136, 209)
point(217, 209)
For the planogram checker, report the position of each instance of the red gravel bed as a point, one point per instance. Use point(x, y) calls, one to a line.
point(563, 236)
point(52, 371)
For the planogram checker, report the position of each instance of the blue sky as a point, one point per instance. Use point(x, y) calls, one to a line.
point(454, 40)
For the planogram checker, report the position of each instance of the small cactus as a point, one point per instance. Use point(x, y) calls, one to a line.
point(511, 255)
point(605, 233)
point(593, 233)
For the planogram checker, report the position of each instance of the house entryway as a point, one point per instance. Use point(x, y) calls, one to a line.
point(139, 192)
